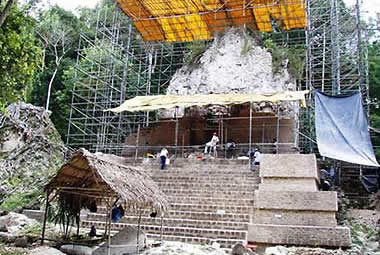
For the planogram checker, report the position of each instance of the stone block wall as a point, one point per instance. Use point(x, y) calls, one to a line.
point(289, 209)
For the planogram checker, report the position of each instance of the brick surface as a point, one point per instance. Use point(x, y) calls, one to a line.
point(288, 200)
point(289, 166)
point(302, 218)
point(300, 235)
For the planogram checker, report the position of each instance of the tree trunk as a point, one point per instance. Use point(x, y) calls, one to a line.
point(4, 13)
point(49, 89)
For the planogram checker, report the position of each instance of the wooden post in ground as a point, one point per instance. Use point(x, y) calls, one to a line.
point(137, 142)
point(250, 135)
point(45, 217)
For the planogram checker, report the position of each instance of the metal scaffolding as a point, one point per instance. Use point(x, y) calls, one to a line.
point(115, 64)
point(336, 59)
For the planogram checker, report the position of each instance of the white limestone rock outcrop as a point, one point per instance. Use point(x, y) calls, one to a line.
point(234, 63)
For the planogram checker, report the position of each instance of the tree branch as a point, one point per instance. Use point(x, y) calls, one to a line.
point(4, 13)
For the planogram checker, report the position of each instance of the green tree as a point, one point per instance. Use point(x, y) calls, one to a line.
point(374, 79)
point(57, 29)
point(20, 56)
point(59, 32)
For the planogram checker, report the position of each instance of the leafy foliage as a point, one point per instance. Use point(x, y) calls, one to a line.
point(20, 56)
point(280, 55)
point(196, 49)
point(19, 200)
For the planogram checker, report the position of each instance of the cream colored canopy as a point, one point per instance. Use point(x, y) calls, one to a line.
point(151, 103)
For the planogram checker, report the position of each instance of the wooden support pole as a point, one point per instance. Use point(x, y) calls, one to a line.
point(250, 134)
point(138, 233)
point(109, 228)
point(278, 129)
point(162, 229)
point(137, 142)
point(176, 132)
point(183, 145)
point(45, 217)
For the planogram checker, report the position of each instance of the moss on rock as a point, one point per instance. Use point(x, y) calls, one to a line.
point(31, 151)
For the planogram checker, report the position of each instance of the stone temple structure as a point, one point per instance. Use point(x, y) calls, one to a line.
point(234, 63)
point(288, 207)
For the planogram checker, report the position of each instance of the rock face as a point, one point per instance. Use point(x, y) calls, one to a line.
point(30, 151)
point(76, 249)
point(45, 251)
point(234, 63)
point(126, 237)
point(14, 222)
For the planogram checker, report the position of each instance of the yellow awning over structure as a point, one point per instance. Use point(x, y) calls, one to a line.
point(151, 103)
point(189, 20)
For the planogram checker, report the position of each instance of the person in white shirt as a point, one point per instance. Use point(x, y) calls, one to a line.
point(212, 144)
point(163, 155)
point(257, 158)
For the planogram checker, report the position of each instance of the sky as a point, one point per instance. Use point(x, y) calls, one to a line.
point(72, 4)
point(368, 7)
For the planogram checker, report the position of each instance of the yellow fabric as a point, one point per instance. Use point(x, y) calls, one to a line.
point(188, 20)
point(151, 103)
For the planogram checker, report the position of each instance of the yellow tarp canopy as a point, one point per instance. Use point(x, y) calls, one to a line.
point(189, 20)
point(151, 103)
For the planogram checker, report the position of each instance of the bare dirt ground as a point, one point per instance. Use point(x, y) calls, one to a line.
point(366, 217)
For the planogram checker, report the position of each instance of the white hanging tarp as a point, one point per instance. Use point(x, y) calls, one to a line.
point(342, 129)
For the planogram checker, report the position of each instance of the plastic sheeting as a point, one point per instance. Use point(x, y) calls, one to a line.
point(151, 103)
point(189, 20)
point(342, 129)
point(370, 183)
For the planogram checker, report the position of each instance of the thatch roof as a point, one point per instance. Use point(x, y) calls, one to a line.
point(106, 176)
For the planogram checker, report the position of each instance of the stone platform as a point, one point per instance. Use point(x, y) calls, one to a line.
point(290, 210)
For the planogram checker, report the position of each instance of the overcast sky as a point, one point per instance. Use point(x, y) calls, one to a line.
point(72, 4)
point(368, 7)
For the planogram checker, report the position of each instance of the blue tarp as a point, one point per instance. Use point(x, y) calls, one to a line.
point(342, 129)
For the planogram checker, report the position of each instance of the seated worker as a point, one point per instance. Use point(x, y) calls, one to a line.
point(230, 149)
point(212, 144)
point(324, 182)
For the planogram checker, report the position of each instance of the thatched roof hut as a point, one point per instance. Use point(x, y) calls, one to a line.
point(105, 176)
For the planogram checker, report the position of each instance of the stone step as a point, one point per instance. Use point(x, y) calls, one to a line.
point(179, 231)
point(299, 235)
point(204, 208)
point(208, 186)
point(228, 194)
point(194, 162)
point(203, 172)
point(174, 222)
point(224, 243)
point(210, 200)
point(219, 216)
point(206, 179)
point(199, 168)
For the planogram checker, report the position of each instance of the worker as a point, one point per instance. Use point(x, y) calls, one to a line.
point(163, 156)
point(255, 157)
point(211, 145)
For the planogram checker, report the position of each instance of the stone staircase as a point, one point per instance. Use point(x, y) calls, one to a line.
point(210, 200)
